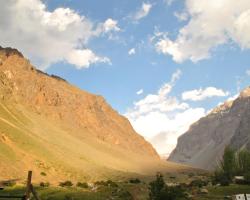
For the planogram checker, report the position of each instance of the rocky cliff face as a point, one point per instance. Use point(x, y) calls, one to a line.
point(203, 144)
point(46, 124)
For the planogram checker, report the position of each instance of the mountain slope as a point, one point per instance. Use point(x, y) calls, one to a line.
point(48, 125)
point(203, 144)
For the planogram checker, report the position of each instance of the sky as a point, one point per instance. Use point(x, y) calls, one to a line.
point(161, 63)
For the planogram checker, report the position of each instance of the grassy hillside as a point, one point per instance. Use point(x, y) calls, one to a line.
point(29, 141)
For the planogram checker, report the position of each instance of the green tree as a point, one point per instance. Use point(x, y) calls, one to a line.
point(160, 191)
point(156, 187)
point(243, 162)
point(228, 163)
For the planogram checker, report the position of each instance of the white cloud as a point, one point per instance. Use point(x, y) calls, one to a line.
point(248, 72)
point(202, 94)
point(212, 23)
point(84, 58)
point(131, 51)
point(181, 16)
point(163, 116)
point(110, 25)
point(139, 92)
point(45, 36)
point(143, 11)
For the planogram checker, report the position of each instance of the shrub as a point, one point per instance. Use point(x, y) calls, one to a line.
point(82, 185)
point(43, 174)
point(44, 184)
point(135, 181)
point(172, 193)
point(101, 183)
point(125, 195)
point(106, 183)
point(198, 183)
point(111, 183)
point(66, 184)
point(9, 183)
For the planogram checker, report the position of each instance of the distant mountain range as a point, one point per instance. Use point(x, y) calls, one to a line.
point(203, 144)
point(50, 126)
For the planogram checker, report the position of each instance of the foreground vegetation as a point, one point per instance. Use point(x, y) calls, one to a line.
point(197, 187)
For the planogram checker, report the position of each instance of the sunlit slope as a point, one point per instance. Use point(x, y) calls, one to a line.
point(49, 126)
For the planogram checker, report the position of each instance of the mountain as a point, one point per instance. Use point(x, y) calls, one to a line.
point(203, 144)
point(50, 126)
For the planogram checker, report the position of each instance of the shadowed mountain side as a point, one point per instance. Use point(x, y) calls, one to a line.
point(203, 144)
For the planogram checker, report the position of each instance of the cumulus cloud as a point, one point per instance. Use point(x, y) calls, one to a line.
point(143, 11)
point(211, 23)
point(162, 118)
point(45, 36)
point(248, 72)
point(85, 58)
point(131, 51)
point(202, 94)
point(110, 25)
point(139, 92)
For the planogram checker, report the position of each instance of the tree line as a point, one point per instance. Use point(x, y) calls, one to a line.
point(233, 163)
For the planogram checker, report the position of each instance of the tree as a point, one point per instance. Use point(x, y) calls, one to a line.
point(243, 162)
point(228, 163)
point(156, 187)
point(160, 191)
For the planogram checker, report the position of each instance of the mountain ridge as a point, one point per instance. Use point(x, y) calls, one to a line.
point(48, 125)
point(203, 144)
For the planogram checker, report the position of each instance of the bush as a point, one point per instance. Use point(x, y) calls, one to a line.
point(125, 195)
point(9, 183)
point(101, 183)
point(106, 183)
point(135, 181)
point(82, 185)
point(43, 174)
point(172, 193)
point(111, 183)
point(198, 183)
point(44, 184)
point(66, 184)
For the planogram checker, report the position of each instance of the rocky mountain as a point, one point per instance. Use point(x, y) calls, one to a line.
point(50, 126)
point(203, 144)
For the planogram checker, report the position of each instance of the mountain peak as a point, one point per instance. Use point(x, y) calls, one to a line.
point(223, 107)
point(8, 51)
point(83, 127)
point(245, 92)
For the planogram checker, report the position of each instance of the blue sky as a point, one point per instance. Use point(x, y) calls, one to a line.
point(185, 57)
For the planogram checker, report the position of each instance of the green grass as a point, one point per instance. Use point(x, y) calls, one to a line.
point(219, 192)
point(59, 193)
point(124, 191)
